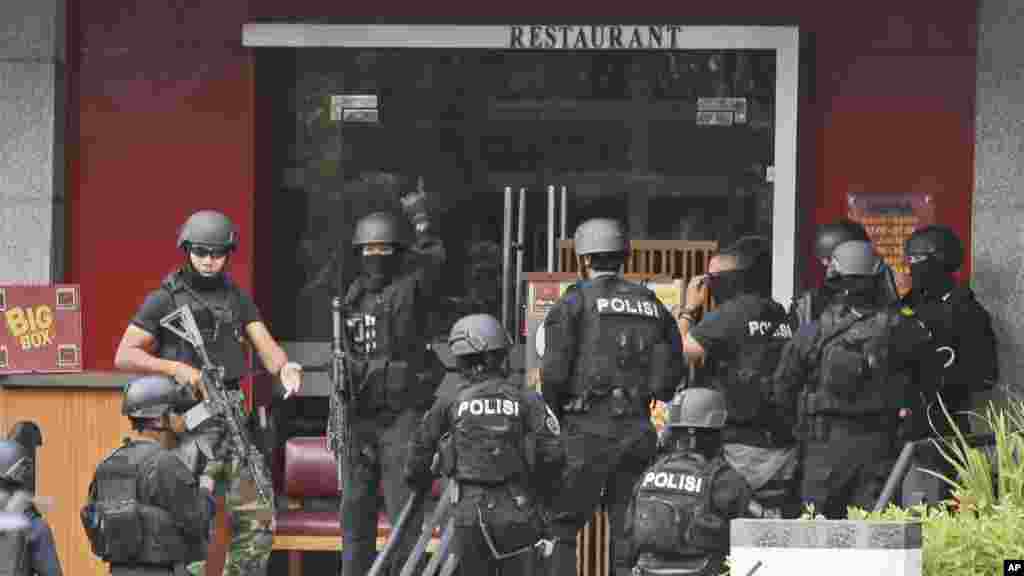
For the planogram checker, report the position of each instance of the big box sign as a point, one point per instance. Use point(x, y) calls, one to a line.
point(42, 329)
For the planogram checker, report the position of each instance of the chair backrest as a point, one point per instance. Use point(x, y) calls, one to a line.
point(309, 468)
point(673, 258)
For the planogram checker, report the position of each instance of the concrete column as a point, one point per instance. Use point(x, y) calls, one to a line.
point(998, 218)
point(32, 57)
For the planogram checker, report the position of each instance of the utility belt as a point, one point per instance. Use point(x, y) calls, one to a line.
point(506, 516)
point(177, 569)
point(614, 403)
point(821, 427)
point(648, 565)
point(390, 385)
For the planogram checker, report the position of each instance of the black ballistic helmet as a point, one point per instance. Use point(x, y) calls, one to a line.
point(831, 235)
point(476, 334)
point(208, 228)
point(854, 258)
point(382, 227)
point(697, 408)
point(600, 235)
point(153, 396)
point(15, 463)
point(938, 242)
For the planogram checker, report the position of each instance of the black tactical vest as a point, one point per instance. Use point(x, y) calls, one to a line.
point(388, 341)
point(674, 514)
point(854, 375)
point(488, 433)
point(123, 527)
point(218, 315)
point(14, 555)
point(746, 380)
point(620, 327)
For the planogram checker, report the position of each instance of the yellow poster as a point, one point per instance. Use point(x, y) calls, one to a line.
point(669, 294)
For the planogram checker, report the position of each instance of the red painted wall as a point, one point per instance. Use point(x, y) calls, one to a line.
point(168, 118)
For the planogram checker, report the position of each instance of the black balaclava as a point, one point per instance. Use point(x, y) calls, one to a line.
point(381, 269)
point(725, 286)
point(484, 286)
point(930, 278)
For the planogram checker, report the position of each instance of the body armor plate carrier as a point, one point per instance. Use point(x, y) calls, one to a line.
point(674, 514)
point(121, 526)
point(621, 345)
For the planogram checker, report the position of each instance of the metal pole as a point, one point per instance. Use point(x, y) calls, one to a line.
point(563, 212)
point(551, 229)
point(506, 248)
point(520, 245)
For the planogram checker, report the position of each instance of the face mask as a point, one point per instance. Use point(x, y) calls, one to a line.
point(725, 286)
point(203, 283)
point(928, 275)
point(380, 269)
point(485, 286)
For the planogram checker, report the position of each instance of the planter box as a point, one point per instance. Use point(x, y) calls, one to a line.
point(830, 547)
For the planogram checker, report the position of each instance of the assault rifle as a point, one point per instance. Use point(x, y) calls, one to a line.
point(219, 402)
point(343, 397)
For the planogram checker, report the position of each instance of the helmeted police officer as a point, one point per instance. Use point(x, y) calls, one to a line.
point(386, 310)
point(848, 375)
point(228, 319)
point(26, 541)
point(499, 442)
point(809, 305)
point(146, 514)
point(678, 519)
point(964, 360)
point(739, 345)
point(611, 346)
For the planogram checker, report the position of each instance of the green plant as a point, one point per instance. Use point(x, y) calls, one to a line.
point(988, 525)
point(973, 486)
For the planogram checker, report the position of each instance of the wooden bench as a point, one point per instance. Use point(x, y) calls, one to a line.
point(311, 521)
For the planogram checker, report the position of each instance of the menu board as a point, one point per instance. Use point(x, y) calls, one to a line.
point(890, 219)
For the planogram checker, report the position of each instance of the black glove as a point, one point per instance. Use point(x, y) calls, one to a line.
point(418, 481)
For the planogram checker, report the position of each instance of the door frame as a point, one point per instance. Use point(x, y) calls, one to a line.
point(783, 40)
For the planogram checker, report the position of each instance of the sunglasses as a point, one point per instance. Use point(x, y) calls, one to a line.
point(203, 252)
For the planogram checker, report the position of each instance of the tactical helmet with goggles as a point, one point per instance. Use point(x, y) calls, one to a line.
point(209, 230)
point(854, 258)
point(937, 243)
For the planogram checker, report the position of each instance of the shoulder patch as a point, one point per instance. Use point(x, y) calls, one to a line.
point(551, 421)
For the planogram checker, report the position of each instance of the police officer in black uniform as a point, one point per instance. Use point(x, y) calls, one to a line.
point(809, 305)
point(611, 346)
point(678, 520)
point(499, 442)
point(228, 319)
point(739, 345)
point(847, 376)
point(964, 361)
point(26, 541)
point(386, 322)
point(146, 513)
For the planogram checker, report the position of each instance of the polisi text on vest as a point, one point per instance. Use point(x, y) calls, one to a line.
point(627, 306)
point(489, 407)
